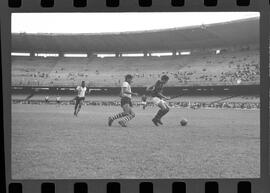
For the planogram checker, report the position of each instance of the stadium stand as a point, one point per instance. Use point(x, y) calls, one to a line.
point(19, 96)
point(238, 56)
point(199, 69)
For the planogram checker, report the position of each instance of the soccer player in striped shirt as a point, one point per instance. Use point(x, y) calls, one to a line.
point(126, 104)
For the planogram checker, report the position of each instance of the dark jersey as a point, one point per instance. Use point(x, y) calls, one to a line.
point(144, 98)
point(158, 88)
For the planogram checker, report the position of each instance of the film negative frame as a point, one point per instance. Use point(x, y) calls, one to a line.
point(139, 185)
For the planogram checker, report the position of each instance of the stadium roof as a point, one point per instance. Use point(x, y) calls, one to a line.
point(213, 35)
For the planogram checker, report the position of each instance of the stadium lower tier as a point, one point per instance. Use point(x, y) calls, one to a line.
point(202, 69)
point(240, 102)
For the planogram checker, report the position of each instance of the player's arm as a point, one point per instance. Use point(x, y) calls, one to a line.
point(125, 91)
point(88, 90)
point(150, 88)
point(163, 96)
point(78, 88)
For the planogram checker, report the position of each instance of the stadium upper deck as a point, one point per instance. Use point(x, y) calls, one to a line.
point(195, 37)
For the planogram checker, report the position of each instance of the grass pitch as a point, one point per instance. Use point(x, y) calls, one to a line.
point(48, 142)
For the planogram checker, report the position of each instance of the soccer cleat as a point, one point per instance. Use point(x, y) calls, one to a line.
point(159, 121)
point(110, 120)
point(122, 124)
point(155, 122)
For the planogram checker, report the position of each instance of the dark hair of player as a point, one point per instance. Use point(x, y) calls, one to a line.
point(83, 83)
point(127, 77)
point(164, 78)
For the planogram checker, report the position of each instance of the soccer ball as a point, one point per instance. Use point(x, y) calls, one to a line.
point(183, 122)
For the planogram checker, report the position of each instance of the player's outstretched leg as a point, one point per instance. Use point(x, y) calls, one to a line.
point(117, 116)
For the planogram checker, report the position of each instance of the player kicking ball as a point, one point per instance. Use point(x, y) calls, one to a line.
point(79, 98)
point(157, 97)
point(126, 104)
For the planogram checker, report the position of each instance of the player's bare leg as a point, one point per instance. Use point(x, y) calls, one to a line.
point(79, 108)
point(75, 109)
point(144, 106)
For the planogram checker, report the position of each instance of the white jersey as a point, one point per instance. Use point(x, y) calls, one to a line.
point(58, 98)
point(81, 91)
point(128, 89)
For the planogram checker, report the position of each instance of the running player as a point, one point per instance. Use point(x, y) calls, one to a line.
point(156, 93)
point(79, 98)
point(126, 103)
point(58, 100)
point(144, 103)
point(46, 99)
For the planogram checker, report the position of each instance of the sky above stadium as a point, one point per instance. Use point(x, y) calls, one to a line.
point(116, 22)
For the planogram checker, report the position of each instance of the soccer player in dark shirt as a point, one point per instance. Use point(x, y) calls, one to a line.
point(157, 97)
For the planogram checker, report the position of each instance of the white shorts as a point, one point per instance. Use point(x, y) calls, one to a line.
point(157, 100)
point(143, 103)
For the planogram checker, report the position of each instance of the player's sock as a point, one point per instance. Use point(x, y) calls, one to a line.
point(159, 121)
point(155, 121)
point(119, 115)
point(127, 118)
point(122, 123)
point(160, 114)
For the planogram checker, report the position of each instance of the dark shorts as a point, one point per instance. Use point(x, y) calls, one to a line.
point(126, 100)
point(58, 101)
point(79, 99)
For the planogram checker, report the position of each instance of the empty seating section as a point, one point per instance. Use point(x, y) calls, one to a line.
point(199, 69)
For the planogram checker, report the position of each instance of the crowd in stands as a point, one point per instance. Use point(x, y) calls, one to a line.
point(193, 105)
point(219, 69)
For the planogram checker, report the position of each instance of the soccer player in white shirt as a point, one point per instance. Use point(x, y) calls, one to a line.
point(79, 98)
point(46, 99)
point(126, 103)
point(58, 98)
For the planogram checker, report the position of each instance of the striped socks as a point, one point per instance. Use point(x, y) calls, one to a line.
point(127, 118)
point(119, 115)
